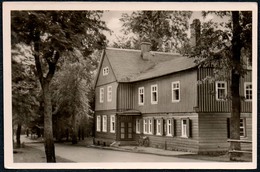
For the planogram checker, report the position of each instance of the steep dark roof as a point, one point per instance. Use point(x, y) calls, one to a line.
point(129, 66)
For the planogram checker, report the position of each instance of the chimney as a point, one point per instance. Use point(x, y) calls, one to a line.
point(194, 33)
point(145, 48)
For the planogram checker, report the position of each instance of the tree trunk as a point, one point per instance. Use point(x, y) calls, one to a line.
point(235, 82)
point(18, 134)
point(48, 133)
point(74, 130)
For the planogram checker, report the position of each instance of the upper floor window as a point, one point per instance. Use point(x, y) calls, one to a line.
point(141, 95)
point(169, 127)
point(98, 123)
point(249, 63)
point(105, 71)
point(101, 95)
point(248, 91)
point(138, 126)
point(221, 90)
point(154, 94)
point(176, 91)
point(104, 126)
point(109, 93)
point(112, 124)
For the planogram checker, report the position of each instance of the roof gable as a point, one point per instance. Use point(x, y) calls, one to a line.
point(103, 79)
point(128, 66)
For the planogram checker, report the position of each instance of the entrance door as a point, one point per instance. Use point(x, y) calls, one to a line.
point(126, 129)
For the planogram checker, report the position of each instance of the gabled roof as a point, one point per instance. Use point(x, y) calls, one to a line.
point(129, 66)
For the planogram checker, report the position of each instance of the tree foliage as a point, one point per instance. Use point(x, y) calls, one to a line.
point(226, 47)
point(51, 35)
point(165, 29)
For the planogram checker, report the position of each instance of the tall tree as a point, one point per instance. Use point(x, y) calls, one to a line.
point(51, 34)
point(167, 30)
point(226, 46)
point(24, 89)
point(70, 90)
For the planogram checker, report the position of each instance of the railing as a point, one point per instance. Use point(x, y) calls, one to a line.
point(231, 150)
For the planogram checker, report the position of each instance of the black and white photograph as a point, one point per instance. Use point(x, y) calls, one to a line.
point(130, 85)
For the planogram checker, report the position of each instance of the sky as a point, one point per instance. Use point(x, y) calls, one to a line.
point(113, 23)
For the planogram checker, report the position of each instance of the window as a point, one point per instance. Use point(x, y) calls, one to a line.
point(101, 95)
point(248, 91)
point(242, 127)
point(145, 126)
point(249, 63)
point(105, 71)
point(150, 126)
point(98, 123)
point(141, 95)
point(159, 126)
point(154, 94)
point(109, 93)
point(185, 127)
point(221, 90)
point(169, 128)
point(104, 126)
point(176, 91)
point(112, 124)
point(138, 126)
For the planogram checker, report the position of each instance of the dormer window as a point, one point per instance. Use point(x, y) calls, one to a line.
point(105, 71)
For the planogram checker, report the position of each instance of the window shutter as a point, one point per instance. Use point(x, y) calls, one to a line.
point(173, 127)
point(188, 128)
point(228, 128)
point(162, 126)
point(141, 126)
point(153, 125)
point(134, 126)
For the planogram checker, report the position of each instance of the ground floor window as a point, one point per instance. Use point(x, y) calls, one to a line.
point(145, 127)
point(138, 126)
point(242, 127)
point(98, 123)
point(112, 124)
point(185, 127)
point(159, 126)
point(104, 126)
point(169, 127)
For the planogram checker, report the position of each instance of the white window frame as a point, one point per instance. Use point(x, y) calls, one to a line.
point(174, 90)
point(169, 126)
point(140, 92)
point(112, 121)
point(242, 127)
point(138, 126)
point(101, 95)
point(184, 128)
point(109, 93)
point(245, 89)
point(158, 127)
point(150, 126)
point(98, 123)
point(105, 71)
point(156, 91)
point(145, 126)
point(104, 123)
point(217, 89)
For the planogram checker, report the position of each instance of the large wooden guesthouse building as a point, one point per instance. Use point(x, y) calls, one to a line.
point(140, 92)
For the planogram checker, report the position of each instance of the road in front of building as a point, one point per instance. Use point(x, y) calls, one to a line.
point(86, 154)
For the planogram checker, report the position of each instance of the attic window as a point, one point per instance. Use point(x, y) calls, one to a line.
point(105, 71)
